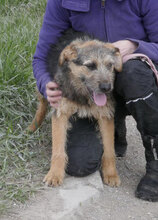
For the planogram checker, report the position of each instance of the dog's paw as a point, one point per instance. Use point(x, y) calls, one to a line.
point(52, 179)
point(112, 180)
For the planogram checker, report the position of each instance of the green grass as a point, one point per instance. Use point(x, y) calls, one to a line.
point(23, 157)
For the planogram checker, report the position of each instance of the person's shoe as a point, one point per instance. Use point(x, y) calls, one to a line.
point(120, 137)
point(120, 143)
point(120, 149)
point(147, 188)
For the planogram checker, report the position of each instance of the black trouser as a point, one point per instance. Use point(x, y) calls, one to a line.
point(137, 86)
point(84, 148)
point(136, 94)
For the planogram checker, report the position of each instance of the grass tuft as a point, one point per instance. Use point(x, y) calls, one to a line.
point(23, 157)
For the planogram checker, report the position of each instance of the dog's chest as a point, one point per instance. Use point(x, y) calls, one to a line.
point(69, 108)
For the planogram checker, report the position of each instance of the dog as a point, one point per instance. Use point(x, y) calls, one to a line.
point(84, 68)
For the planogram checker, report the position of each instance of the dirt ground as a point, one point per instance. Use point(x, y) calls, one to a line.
point(111, 203)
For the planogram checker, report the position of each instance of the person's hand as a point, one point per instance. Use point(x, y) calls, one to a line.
point(126, 47)
point(53, 94)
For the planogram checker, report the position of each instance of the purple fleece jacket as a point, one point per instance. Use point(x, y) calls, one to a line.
point(135, 20)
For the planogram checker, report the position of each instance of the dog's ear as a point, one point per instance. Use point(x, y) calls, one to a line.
point(118, 60)
point(69, 53)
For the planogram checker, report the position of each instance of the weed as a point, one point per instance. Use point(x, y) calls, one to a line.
point(23, 157)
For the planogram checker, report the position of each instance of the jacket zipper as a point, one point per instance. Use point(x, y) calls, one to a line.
point(105, 30)
point(103, 3)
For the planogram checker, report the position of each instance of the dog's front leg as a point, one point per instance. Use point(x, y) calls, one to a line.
point(109, 172)
point(56, 173)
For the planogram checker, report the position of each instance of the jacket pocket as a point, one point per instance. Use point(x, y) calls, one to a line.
point(76, 5)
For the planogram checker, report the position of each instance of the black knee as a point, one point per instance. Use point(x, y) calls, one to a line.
point(84, 149)
point(136, 84)
point(135, 81)
point(83, 160)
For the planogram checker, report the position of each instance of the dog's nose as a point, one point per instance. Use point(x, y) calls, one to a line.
point(105, 87)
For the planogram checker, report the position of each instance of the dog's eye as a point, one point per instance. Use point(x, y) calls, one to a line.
point(91, 66)
point(109, 65)
point(77, 61)
point(83, 78)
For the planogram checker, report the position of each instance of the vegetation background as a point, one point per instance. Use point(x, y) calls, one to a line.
point(23, 157)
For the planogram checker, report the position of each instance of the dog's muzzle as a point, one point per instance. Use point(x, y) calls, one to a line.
point(105, 87)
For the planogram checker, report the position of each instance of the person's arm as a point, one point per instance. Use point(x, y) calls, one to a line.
point(149, 13)
point(56, 20)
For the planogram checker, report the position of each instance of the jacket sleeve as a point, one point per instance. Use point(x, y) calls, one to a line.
point(149, 14)
point(56, 20)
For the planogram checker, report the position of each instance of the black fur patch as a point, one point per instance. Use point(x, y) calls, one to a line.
point(53, 55)
point(61, 75)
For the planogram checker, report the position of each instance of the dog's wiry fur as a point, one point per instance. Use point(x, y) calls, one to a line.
point(81, 66)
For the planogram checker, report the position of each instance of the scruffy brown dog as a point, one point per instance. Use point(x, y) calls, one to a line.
point(85, 73)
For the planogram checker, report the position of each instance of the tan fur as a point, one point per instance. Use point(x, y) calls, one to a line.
point(68, 53)
point(89, 44)
point(108, 159)
point(40, 113)
point(104, 116)
point(56, 173)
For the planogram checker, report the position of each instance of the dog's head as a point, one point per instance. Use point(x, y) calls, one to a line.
point(90, 68)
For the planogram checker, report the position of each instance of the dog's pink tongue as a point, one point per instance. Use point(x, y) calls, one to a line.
point(100, 99)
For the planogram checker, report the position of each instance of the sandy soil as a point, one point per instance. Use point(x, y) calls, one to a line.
point(111, 203)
